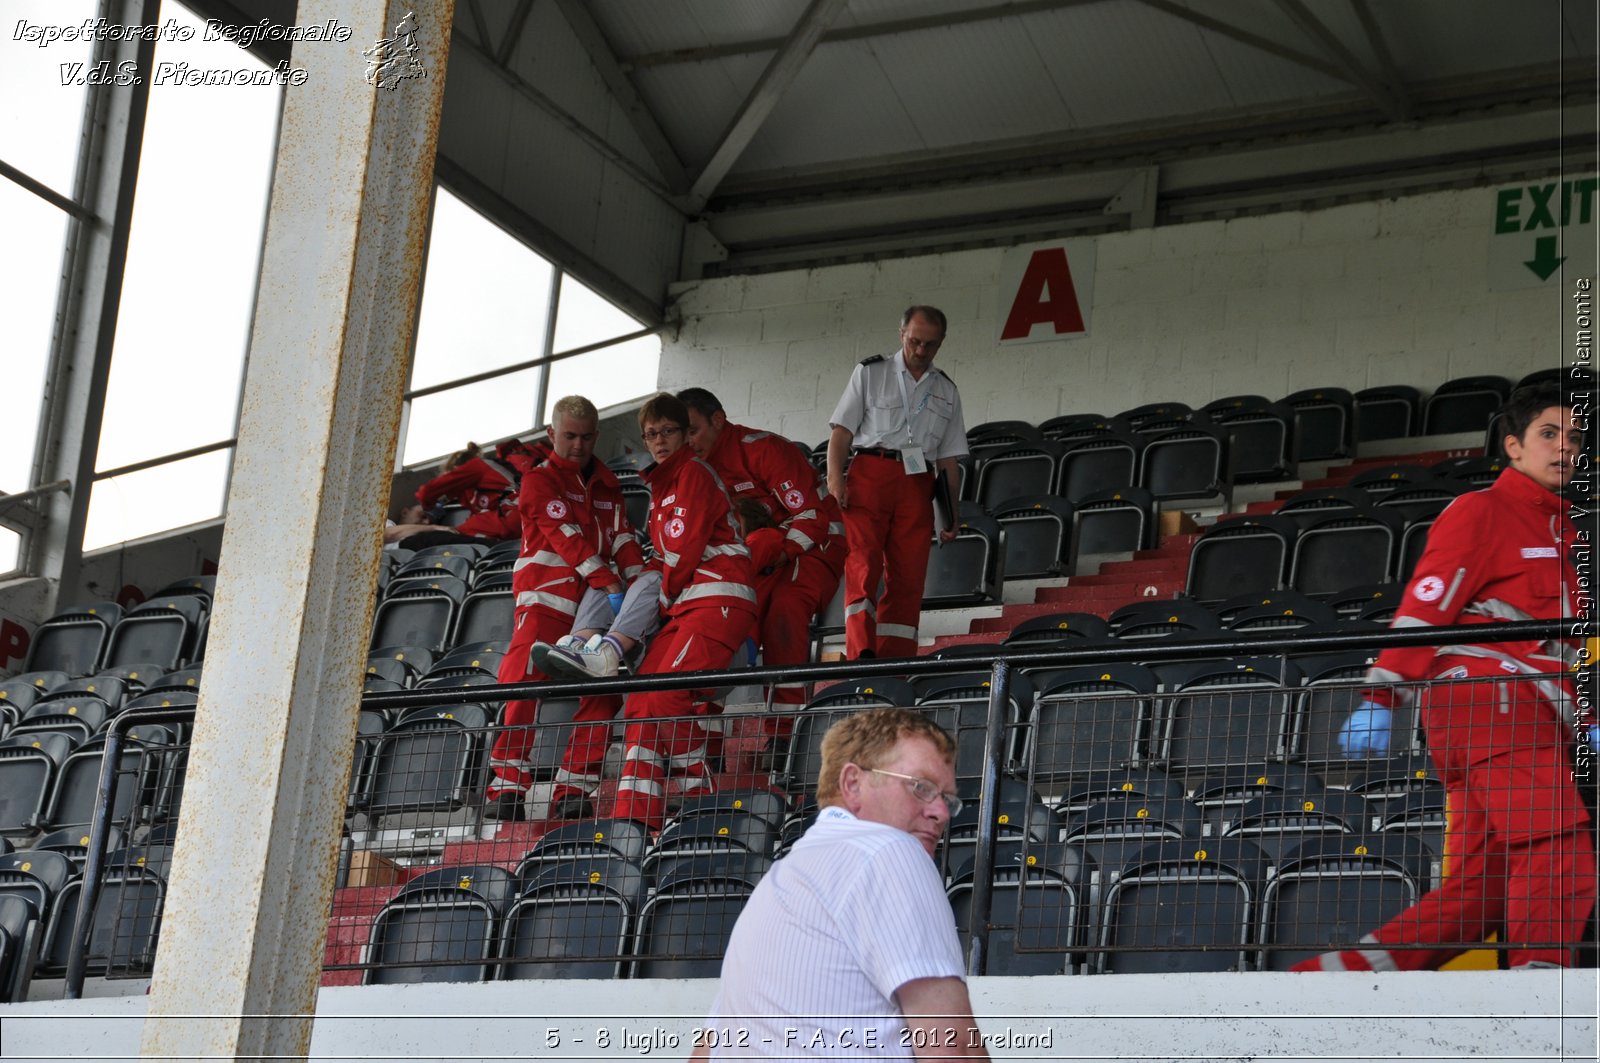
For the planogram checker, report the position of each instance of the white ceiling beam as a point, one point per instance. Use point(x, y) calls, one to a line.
point(770, 86)
point(1380, 49)
point(643, 120)
point(860, 31)
point(1353, 68)
point(519, 20)
point(1266, 44)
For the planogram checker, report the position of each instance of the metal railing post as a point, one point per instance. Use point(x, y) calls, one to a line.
point(994, 734)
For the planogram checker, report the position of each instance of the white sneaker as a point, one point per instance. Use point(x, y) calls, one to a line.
point(539, 655)
point(596, 659)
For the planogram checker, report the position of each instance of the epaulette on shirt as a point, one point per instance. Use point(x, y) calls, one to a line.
point(947, 377)
point(872, 360)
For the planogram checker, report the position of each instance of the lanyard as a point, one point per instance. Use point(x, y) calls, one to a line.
point(900, 375)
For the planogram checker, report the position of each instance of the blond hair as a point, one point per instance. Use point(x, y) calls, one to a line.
point(866, 740)
point(574, 406)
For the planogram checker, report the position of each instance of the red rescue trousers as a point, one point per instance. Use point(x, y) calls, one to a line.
point(786, 601)
point(889, 524)
point(664, 742)
point(1521, 858)
point(591, 732)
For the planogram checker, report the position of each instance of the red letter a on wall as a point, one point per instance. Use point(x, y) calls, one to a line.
point(1045, 293)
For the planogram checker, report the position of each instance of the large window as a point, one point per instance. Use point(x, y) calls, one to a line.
point(486, 309)
point(184, 323)
point(492, 308)
point(40, 141)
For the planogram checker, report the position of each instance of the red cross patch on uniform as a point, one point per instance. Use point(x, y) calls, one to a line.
point(675, 527)
point(555, 509)
point(1429, 588)
point(794, 499)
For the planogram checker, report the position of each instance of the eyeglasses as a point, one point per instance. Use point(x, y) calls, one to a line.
point(924, 790)
point(662, 433)
point(924, 345)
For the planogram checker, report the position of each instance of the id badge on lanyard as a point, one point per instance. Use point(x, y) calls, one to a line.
point(911, 455)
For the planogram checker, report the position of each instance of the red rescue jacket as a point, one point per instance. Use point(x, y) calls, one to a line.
point(575, 534)
point(703, 561)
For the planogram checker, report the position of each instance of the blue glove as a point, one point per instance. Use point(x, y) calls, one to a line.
point(1594, 740)
point(1366, 732)
point(616, 602)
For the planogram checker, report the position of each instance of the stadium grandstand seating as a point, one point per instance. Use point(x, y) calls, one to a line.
point(1192, 813)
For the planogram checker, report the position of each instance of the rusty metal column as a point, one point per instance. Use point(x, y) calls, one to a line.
point(246, 913)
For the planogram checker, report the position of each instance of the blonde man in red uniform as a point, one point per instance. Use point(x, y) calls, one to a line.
point(797, 563)
point(575, 535)
point(1500, 716)
point(900, 423)
point(708, 600)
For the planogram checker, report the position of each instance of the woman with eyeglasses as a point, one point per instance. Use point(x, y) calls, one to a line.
point(708, 603)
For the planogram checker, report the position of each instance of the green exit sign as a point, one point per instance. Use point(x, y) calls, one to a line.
point(1540, 226)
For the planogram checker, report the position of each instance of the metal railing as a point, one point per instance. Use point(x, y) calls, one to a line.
point(1000, 751)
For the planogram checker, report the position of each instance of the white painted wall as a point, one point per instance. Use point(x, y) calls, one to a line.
point(1391, 292)
point(1547, 1015)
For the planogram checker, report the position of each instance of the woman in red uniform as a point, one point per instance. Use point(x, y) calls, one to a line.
point(1501, 720)
point(708, 604)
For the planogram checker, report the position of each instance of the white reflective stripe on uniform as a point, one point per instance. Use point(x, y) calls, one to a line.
point(692, 759)
point(725, 550)
point(645, 755)
point(1409, 621)
point(800, 538)
point(863, 606)
point(753, 436)
point(541, 557)
point(569, 530)
point(671, 558)
point(631, 572)
point(572, 778)
point(553, 601)
point(594, 564)
point(896, 631)
point(742, 591)
point(1378, 958)
point(1495, 609)
point(1552, 692)
point(1455, 585)
point(1403, 696)
point(519, 765)
point(638, 785)
point(836, 527)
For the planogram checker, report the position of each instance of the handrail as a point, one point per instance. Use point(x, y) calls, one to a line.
point(100, 833)
point(1000, 665)
point(1225, 644)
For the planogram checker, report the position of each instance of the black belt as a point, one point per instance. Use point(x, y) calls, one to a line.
point(879, 452)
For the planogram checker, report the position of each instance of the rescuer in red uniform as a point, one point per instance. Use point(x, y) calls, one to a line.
point(708, 600)
point(797, 562)
point(575, 535)
point(1501, 719)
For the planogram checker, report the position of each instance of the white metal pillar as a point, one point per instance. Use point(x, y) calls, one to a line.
point(247, 906)
point(75, 390)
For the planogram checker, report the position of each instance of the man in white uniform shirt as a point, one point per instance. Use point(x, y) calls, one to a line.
point(900, 423)
point(847, 949)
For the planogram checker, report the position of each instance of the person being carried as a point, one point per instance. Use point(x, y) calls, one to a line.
point(1501, 719)
point(847, 948)
point(799, 564)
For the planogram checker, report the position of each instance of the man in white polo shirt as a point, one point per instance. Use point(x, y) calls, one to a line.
point(847, 949)
point(899, 422)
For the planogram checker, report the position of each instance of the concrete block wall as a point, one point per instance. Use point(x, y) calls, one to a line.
point(1388, 292)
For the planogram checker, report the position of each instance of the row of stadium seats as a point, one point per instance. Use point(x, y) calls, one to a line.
point(1136, 864)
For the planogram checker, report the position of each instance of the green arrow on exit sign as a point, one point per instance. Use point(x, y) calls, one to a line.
point(1545, 261)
